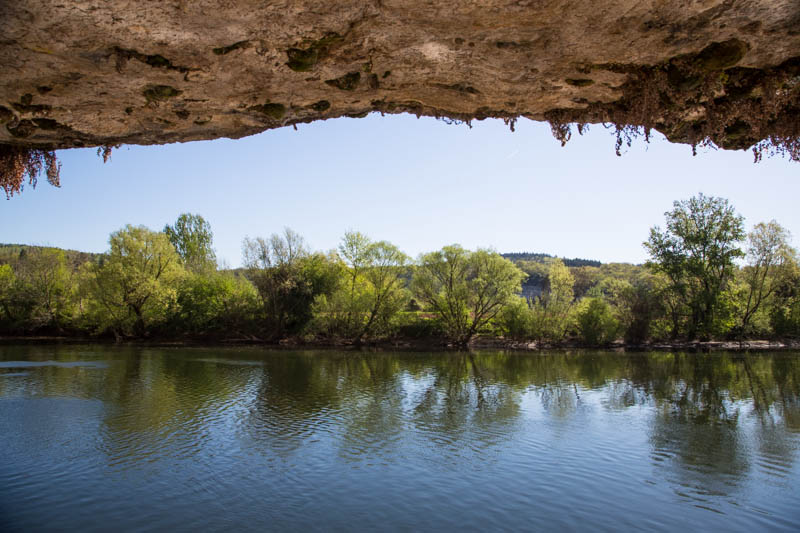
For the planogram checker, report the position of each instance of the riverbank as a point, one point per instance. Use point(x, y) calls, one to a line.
point(421, 344)
point(747, 345)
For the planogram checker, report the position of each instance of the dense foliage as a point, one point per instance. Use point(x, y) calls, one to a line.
point(192, 238)
point(466, 290)
point(705, 280)
point(696, 252)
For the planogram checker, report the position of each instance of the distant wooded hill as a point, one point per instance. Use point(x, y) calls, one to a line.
point(542, 258)
point(9, 253)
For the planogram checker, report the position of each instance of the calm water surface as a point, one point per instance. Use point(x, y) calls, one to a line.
point(102, 438)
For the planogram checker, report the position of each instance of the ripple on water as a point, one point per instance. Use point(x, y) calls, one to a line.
point(61, 364)
point(232, 362)
point(775, 464)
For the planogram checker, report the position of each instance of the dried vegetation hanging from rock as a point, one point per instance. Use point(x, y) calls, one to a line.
point(105, 151)
point(18, 165)
point(701, 99)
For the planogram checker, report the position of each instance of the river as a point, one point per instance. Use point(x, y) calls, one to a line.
point(98, 438)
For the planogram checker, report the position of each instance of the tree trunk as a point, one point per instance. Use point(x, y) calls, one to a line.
point(138, 326)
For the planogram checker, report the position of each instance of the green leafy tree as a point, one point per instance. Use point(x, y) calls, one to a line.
point(551, 312)
point(465, 289)
point(45, 282)
point(697, 251)
point(372, 293)
point(217, 304)
point(8, 281)
point(785, 312)
point(642, 310)
point(770, 261)
point(585, 277)
point(192, 238)
point(785, 319)
point(135, 285)
point(386, 291)
point(596, 322)
point(515, 319)
point(344, 309)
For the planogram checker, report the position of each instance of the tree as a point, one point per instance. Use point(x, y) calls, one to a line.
point(785, 306)
point(551, 311)
point(769, 261)
point(136, 283)
point(192, 238)
point(373, 291)
point(349, 302)
point(465, 289)
point(596, 323)
point(585, 277)
point(697, 252)
point(387, 295)
point(288, 278)
point(642, 307)
point(785, 317)
point(44, 281)
point(7, 283)
point(216, 303)
point(515, 318)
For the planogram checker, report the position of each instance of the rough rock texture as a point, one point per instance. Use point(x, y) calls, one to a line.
point(100, 72)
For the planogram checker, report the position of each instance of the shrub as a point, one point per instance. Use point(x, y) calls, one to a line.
point(596, 323)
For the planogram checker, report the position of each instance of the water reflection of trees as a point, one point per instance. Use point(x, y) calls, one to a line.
point(159, 403)
point(369, 400)
point(707, 413)
point(465, 400)
point(153, 400)
point(716, 416)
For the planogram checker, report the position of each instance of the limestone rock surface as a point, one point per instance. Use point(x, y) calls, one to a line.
point(106, 72)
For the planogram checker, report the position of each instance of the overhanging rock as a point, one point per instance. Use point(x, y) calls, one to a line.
point(108, 72)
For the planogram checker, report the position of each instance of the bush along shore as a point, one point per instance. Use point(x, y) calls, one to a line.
point(708, 284)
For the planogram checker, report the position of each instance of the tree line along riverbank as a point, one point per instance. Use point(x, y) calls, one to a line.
point(707, 281)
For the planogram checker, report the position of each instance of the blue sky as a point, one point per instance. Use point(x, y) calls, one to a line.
point(419, 183)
